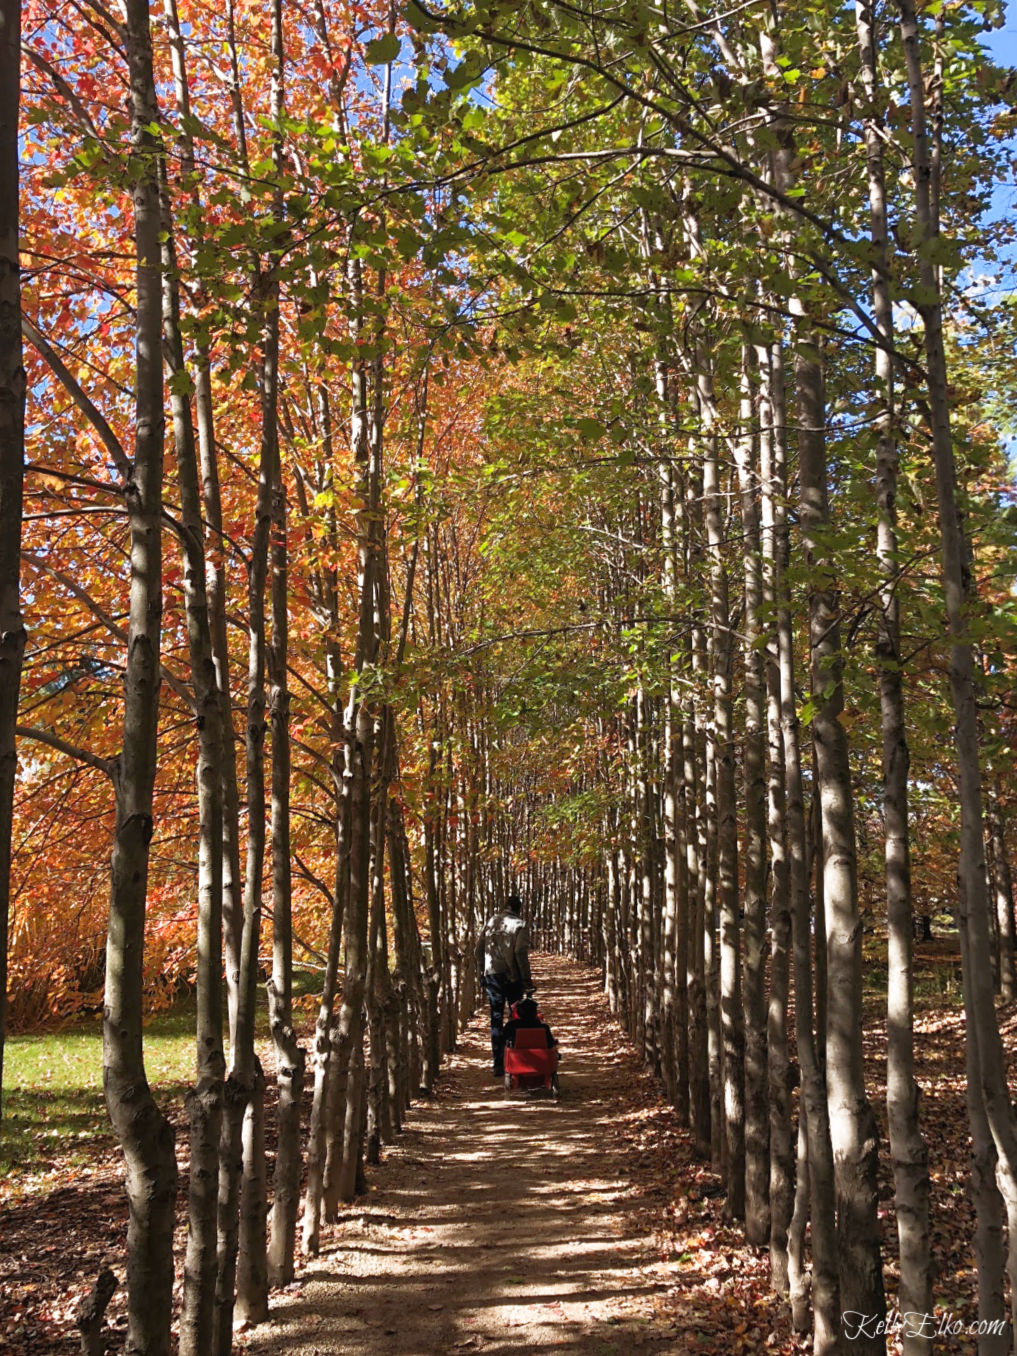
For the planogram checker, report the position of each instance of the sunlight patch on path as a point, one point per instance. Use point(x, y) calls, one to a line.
point(503, 1226)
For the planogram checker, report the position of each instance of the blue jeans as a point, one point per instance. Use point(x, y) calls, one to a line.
point(500, 990)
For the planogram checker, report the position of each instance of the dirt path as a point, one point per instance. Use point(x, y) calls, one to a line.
point(499, 1226)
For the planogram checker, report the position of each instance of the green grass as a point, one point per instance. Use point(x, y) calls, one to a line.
point(53, 1108)
point(53, 1102)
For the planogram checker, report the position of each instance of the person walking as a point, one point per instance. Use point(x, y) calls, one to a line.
point(503, 967)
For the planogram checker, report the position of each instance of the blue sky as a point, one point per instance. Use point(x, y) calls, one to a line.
point(1003, 41)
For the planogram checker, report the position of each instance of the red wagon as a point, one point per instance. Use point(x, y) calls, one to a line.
point(531, 1065)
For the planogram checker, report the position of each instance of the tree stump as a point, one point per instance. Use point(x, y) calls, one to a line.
point(91, 1312)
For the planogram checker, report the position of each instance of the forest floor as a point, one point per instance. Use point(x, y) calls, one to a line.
point(498, 1225)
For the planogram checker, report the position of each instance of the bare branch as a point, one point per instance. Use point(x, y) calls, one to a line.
point(87, 407)
point(62, 746)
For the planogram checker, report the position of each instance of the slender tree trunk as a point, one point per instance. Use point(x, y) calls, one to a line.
point(674, 1029)
point(252, 1252)
point(242, 1213)
point(360, 721)
point(325, 1068)
point(711, 957)
point(959, 588)
point(694, 806)
point(432, 1048)
point(910, 1159)
point(853, 1130)
point(648, 899)
point(731, 1018)
point(216, 581)
point(799, 1281)
point(252, 1258)
point(289, 1054)
point(772, 512)
point(989, 1246)
point(378, 1125)
point(205, 1102)
point(757, 1108)
point(12, 465)
point(815, 1116)
point(1002, 885)
point(145, 1135)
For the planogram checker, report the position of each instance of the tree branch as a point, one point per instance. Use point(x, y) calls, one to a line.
point(62, 746)
point(87, 407)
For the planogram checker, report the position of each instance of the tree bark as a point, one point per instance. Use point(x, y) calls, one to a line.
point(757, 1107)
point(799, 1281)
point(907, 1147)
point(12, 466)
point(289, 1054)
point(360, 721)
point(772, 463)
point(853, 1132)
point(242, 1212)
point(325, 1071)
point(91, 1312)
point(731, 1016)
point(145, 1135)
point(205, 1101)
point(252, 1250)
point(674, 999)
point(815, 1115)
point(959, 588)
point(694, 814)
point(1002, 885)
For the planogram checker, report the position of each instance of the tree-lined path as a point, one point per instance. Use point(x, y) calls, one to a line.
point(452, 449)
point(501, 1225)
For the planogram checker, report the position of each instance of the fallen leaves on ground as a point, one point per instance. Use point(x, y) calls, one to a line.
point(709, 1292)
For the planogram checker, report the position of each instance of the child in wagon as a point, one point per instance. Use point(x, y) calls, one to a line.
point(525, 1014)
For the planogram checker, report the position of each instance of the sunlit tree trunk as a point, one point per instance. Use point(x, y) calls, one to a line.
point(378, 1119)
point(711, 950)
point(983, 1191)
point(325, 1071)
point(205, 1102)
point(814, 1142)
point(360, 721)
point(242, 1191)
point(12, 465)
point(674, 1013)
point(217, 577)
point(910, 1159)
point(853, 1130)
point(289, 1054)
point(694, 814)
point(145, 1135)
point(773, 537)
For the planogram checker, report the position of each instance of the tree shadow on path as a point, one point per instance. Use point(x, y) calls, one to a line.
point(494, 1224)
